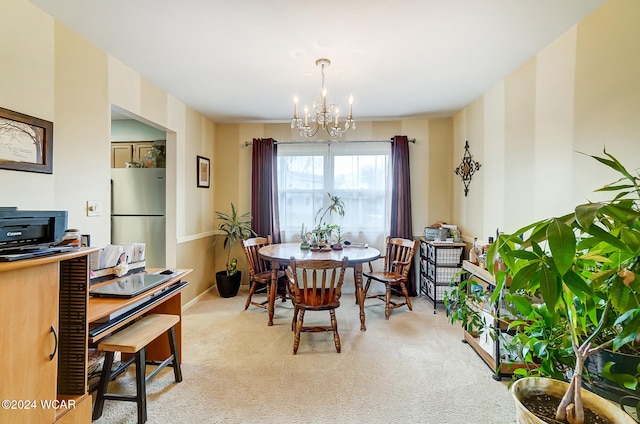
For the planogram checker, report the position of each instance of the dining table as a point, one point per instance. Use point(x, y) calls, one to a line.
point(280, 254)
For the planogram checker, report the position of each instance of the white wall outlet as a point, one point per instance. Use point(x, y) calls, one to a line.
point(94, 208)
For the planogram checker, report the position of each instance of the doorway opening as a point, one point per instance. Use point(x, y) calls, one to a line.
point(139, 185)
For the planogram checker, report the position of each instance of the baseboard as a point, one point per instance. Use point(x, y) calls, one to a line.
point(195, 299)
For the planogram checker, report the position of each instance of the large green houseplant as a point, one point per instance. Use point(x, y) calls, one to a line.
point(574, 285)
point(233, 227)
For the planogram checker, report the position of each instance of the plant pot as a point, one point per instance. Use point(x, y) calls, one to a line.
point(539, 385)
point(228, 285)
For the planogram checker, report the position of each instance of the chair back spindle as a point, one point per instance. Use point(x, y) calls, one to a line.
point(257, 265)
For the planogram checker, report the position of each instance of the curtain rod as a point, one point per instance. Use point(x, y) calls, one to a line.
point(249, 143)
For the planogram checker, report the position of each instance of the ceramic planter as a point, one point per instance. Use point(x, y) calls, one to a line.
point(538, 385)
point(228, 285)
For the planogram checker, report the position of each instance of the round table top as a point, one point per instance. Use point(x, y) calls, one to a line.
point(283, 252)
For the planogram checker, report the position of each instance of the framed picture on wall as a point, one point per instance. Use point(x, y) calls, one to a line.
point(204, 172)
point(26, 143)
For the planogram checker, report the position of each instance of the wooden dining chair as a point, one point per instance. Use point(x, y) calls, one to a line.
point(395, 273)
point(315, 285)
point(260, 272)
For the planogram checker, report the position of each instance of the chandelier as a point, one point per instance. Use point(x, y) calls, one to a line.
point(319, 115)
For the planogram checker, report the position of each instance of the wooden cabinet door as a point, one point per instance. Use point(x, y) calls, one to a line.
point(141, 149)
point(77, 413)
point(120, 154)
point(28, 312)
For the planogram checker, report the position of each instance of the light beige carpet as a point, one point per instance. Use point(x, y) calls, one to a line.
point(410, 369)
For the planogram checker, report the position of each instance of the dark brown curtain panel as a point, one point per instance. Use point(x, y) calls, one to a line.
point(401, 197)
point(264, 188)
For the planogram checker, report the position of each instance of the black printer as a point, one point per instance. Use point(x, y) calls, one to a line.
point(27, 234)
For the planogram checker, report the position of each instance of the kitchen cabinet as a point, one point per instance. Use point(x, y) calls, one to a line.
point(123, 152)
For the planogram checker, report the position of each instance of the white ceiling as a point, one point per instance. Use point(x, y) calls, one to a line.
point(244, 60)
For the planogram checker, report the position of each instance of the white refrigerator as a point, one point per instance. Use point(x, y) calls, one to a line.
point(138, 211)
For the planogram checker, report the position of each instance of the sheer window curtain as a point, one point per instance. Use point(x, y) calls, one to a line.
point(401, 198)
point(264, 188)
point(360, 173)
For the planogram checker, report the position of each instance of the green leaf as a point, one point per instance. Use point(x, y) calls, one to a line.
point(522, 304)
point(627, 380)
point(615, 165)
point(606, 237)
point(576, 284)
point(586, 214)
point(619, 294)
point(523, 254)
point(630, 322)
point(562, 243)
point(524, 276)
point(616, 187)
point(549, 288)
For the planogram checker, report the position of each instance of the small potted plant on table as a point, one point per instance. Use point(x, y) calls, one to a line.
point(234, 227)
point(322, 232)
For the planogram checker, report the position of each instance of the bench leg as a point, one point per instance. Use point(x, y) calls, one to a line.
point(141, 385)
point(173, 345)
point(105, 377)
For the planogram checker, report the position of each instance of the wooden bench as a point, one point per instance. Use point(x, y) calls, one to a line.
point(134, 340)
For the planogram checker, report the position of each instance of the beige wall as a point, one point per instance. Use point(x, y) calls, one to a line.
point(579, 94)
point(50, 72)
point(27, 86)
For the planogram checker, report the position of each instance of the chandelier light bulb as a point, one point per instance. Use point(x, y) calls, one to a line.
point(325, 116)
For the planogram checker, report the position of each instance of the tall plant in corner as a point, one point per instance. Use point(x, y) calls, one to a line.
point(234, 227)
point(585, 268)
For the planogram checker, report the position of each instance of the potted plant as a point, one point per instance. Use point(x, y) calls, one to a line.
point(304, 238)
point(338, 238)
point(233, 227)
point(320, 237)
point(574, 290)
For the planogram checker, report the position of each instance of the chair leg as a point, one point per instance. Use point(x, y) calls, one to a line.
point(365, 290)
point(403, 287)
point(296, 337)
point(334, 326)
point(252, 290)
point(387, 303)
point(295, 318)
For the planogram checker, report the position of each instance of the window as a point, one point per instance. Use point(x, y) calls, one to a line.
point(357, 172)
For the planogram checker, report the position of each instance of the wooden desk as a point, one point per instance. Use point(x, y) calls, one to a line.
point(280, 254)
point(99, 308)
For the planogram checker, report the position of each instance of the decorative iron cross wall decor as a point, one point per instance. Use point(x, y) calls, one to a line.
point(467, 168)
